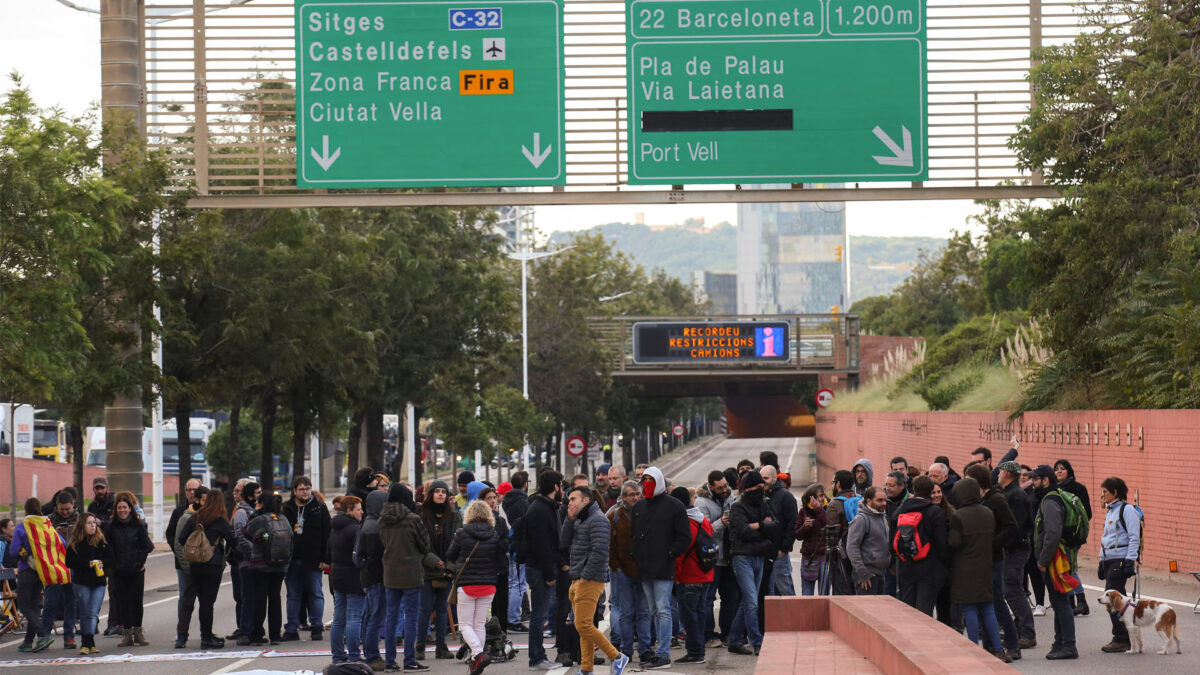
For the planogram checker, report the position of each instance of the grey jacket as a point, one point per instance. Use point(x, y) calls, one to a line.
point(713, 510)
point(867, 544)
point(1051, 516)
point(242, 513)
point(587, 539)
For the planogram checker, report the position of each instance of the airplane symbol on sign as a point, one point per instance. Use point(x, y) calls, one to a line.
point(493, 49)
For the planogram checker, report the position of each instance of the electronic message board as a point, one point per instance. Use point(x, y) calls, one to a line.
point(711, 342)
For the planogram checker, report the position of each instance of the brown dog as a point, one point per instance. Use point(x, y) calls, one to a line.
point(1143, 613)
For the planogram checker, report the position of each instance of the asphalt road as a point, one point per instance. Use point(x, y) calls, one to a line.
point(685, 468)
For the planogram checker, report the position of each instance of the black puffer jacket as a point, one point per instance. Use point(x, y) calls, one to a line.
point(481, 568)
point(538, 537)
point(746, 541)
point(344, 577)
point(370, 547)
point(130, 543)
point(661, 532)
point(79, 559)
point(515, 503)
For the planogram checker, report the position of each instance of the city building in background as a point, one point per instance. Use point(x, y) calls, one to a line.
point(792, 257)
point(719, 289)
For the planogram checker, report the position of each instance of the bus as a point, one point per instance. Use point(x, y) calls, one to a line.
point(96, 448)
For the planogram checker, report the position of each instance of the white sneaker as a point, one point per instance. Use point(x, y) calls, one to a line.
point(1039, 611)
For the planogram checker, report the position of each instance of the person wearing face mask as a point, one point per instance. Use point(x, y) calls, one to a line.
point(751, 540)
point(714, 500)
point(661, 534)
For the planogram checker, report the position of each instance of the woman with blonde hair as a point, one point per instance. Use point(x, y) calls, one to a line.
point(88, 554)
point(478, 556)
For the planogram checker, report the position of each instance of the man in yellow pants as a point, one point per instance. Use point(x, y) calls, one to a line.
point(586, 534)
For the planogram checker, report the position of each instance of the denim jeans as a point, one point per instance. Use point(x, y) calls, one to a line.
point(810, 587)
point(345, 637)
point(402, 604)
point(658, 597)
point(542, 600)
point(516, 590)
point(87, 606)
point(1004, 619)
point(781, 576)
point(59, 596)
point(374, 610)
point(972, 615)
point(748, 570)
point(302, 582)
point(691, 604)
point(725, 583)
point(434, 601)
point(629, 608)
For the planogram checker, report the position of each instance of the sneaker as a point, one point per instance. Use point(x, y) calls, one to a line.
point(1003, 656)
point(657, 663)
point(618, 664)
point(316, 635)
point(212, 643)
point(392, 668)
point(675, 643)
point(234, 635)
point(69, 643)
point(1040, 610)
point(597, 660)
point(744, 650)
point(544, 664)
point(442, 652)
point(290, 636)
point(463, 652)
point(1115, 647)
point(479, 663)
point(715, 643)
point(180, 643)
point(112, 631)
point(416, 666)
point(25, 647)
point(518, 628)
point(42, 643)
point(7, 625)
point(377, 665)
point(244, 641)
point(646, 657)
point(690, 659)
point(1014, 654)
point(1027, 643)
point(1063, 654)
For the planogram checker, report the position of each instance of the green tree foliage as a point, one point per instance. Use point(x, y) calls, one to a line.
point(1115, 126)
point(226, 460)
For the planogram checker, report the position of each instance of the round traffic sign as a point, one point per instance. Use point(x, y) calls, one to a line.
point(575, 446)
point(824, 398)
point(677, 430)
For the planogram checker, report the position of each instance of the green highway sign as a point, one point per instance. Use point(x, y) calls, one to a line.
point(776, 91)
point(422, 94)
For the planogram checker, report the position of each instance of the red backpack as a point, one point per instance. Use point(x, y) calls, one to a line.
point(908, 545)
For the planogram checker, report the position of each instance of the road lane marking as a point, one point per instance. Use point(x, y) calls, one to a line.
point(1144, 597)
point(104, 616)
point(792, 456)
point(235, 664)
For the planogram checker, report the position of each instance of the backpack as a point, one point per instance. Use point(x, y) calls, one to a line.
point(705, 547)
point(271, 536)
point(197, 548)
point(908, 544)
point(850, 506)
point(348, 668)
point(496, 642)
point(1141, 526)
point(1075, 520)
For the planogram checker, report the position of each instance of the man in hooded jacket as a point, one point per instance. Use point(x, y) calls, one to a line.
point(369, 560)
point(867, 543)
point(658, 520)
point(405, 549)
point(920, 581)
point(864, 475)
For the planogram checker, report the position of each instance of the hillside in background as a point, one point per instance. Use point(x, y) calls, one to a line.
point(877, 264)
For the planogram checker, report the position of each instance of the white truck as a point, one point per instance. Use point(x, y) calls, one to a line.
point(16, 429)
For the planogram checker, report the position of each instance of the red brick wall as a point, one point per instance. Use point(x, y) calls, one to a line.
point(53, 476)
point(1154, 451)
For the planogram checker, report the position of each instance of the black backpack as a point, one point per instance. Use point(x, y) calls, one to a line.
point(705, 547)
point(271, 535)
point(496, 642)
point(348, 668)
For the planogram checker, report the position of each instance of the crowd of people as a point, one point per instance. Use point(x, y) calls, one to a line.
point(546, 555)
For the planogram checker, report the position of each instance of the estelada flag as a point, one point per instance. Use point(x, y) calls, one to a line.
point(49, 554)
point(1060, 573)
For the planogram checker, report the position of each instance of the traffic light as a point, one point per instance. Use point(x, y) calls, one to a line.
point(837, 253)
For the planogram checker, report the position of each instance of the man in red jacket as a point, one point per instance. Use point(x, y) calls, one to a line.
point(692, 580)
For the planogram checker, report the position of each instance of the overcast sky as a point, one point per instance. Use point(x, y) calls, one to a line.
point(57, 51)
